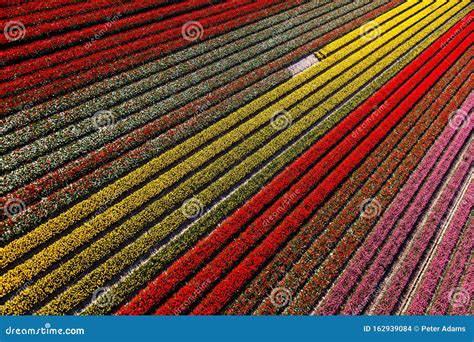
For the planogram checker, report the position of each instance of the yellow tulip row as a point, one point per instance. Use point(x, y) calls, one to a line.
point(100, 199)
point(53, 253)
point(132, 252)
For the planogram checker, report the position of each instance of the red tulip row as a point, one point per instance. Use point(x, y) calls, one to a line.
point(44, 186)
point(130, 84)
point(403, 269)
point(234, 223)
point(62, 12)
point(283, 261)
point(16, 8)
point(155, 96)
point(326, 274)
point(110, 41)
point(50, 28)
point(123, 44)
point(429, 281)
point(213, 25)
point(223, 292)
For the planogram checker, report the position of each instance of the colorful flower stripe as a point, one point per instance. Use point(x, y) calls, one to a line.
point(384, 226)
point(441, 301)
point(62, 303)
point(302, 270)
point(97, 89)
point(397, 282)
point(283, 261)
point(18, 7)
point(444, 251)
point(45, 29)
point(464, 306)
point(234, 250)
point(60, 13)
point(146, 270)
point(20, 246)
point(220, 23)
point(335, 297)
point(88, 184)
point(318, 251)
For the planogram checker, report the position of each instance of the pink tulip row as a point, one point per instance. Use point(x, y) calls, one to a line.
point(398, 208)
point(428, 283)
point(463, 304)
point(424, 235)
point(453, 273)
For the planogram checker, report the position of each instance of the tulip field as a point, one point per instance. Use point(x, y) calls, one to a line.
point(267, 157)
